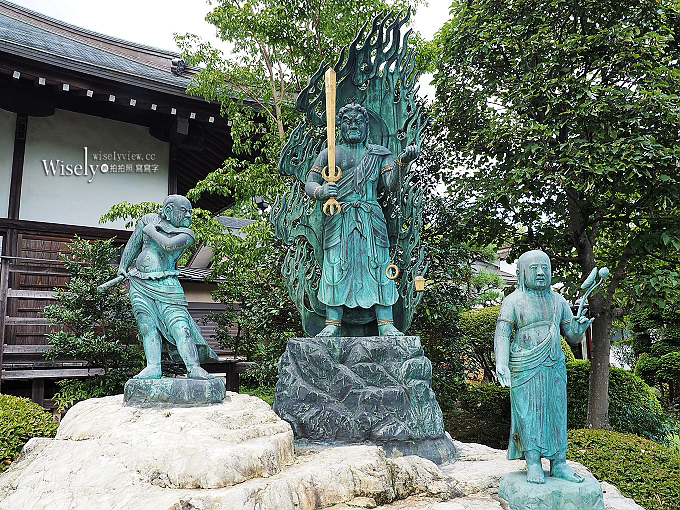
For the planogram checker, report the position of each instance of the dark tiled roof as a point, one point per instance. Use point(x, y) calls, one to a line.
point(32, 40)
point(194, 274)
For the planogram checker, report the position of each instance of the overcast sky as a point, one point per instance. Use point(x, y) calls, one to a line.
point(154, 22)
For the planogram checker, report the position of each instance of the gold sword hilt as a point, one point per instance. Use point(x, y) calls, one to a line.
point(331, 204)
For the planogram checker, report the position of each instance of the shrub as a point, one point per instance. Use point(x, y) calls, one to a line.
point(436, 318)
point(659, 349)
point(265, 393)
point(478, 326)
point(568, 353)
point(20, 420)
point(657, 335)
point(482, 416)
point(672, 333)
point(669, 366)
point(490, 400)
point(264, 371)
point(641, 469)
point(98, 327)
point(633, 407)
point(646, 367)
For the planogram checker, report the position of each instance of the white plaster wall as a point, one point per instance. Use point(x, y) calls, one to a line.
point(81, 200)
point(7, 128)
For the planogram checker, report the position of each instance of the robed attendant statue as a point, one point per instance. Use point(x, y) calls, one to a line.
point(534, 368)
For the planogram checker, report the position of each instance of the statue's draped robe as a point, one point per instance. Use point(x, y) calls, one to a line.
point(355, 242)
point(538, 389)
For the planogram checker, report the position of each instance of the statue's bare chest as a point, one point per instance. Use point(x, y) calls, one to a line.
point(534, 318)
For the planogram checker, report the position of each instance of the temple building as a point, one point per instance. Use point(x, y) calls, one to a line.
point(86, 121)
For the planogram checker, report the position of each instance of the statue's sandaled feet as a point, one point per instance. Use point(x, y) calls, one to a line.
point(330, 330)
point(150, 372)
point(196, 372)
point(389, 330)
point(535, 473)
point(560, 469)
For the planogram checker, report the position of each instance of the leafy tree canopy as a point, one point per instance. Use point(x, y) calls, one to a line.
point(98, 327)
point(277, 46)
point(559, 123)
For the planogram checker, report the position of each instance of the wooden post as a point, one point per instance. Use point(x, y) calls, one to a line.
point(17, 167)
point(232, 378)
point(172, 170)
point(38, 391)
point(4, 276)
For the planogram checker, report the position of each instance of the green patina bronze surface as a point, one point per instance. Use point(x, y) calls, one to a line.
point(555, 494)
point(336, 272)
point(355, 389)
point(173, 391)
point(533, 366)
point(149, 263)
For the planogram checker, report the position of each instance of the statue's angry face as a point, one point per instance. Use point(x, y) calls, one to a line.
point(177, 210)
point(534, 268)
point(353, 124)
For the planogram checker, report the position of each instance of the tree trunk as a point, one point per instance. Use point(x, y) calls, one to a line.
point(583, 239)
point(598, 391)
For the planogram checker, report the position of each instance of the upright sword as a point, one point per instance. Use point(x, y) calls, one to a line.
point(331, 173)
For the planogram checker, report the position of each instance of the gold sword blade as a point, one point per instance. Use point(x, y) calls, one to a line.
point(331, 85)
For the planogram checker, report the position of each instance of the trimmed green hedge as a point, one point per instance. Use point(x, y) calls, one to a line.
point(478, 326)
point(641, 469)
point(568, 353)
point(20, 420)
point(633, 407)
point(483, 414)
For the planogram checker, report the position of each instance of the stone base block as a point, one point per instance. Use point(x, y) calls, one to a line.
point(174, 391)
point(554, 494)
point(363, 389)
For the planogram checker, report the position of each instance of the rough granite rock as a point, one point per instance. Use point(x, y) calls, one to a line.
point(358, 389)
point(236, 455)
point(478, 501)
point(110, 457)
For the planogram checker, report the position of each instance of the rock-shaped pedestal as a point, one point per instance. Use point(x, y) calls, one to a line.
point(355, 389)
point(237, 455)
point(234, 455)
point(554, 494)
point(174, 391)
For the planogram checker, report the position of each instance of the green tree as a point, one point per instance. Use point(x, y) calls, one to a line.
point(656, 343)
point(567, 116)
point(436, 318)
point(98, 327)
point(248, 271)
point(486, 288)
point(277, 46)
